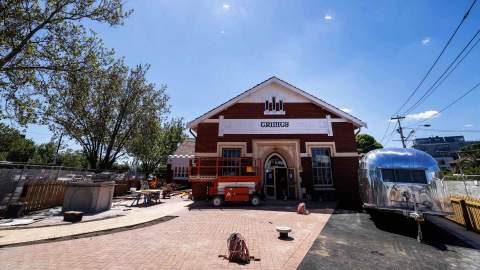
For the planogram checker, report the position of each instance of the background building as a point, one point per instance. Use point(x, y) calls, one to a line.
point(443, 149)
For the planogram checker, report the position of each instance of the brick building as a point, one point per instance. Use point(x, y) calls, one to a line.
point(297, 136)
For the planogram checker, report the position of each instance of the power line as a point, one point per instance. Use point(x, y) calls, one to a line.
point(431, 67)
point(453, 102)
point(436, 84)
point(386, 131)
point(458, 63)
point(448, 130)
point(387, 141)
point(438, 57)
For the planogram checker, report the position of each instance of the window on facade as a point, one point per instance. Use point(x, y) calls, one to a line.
point(404, 176)
point(274, 105)
point(321, 167)
point(231, 161)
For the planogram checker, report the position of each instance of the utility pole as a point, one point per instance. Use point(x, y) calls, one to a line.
point(58, 148)
point(400, 129)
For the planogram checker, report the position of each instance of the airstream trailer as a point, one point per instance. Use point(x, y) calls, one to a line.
point(404, 181)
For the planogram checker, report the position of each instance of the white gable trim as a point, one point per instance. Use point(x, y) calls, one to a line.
point(357, 122)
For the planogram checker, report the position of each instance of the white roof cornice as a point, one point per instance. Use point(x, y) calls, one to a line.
point(357, 122)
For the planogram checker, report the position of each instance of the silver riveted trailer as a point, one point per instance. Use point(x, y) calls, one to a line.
point(405, 181)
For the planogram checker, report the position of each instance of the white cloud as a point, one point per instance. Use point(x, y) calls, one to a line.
point(423, 115)
point(347, 110)
point(468, 125)
point(222, 32)
point(425, 40)
point(226, 6)
point(328, 17)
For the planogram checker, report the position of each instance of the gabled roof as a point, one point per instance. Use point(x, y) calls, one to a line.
point(357, 122)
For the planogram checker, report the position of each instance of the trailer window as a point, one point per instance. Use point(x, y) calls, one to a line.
point(419, 176)
point(404, 176)
point(388, 175)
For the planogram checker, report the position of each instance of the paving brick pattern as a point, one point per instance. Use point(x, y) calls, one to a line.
point(194, 240)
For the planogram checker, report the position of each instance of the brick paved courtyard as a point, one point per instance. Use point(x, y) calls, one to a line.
point(194, 240)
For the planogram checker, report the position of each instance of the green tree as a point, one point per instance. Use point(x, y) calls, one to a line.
point(152, 146)
point(21, 151)
point(73, 158)
point(366, 143)
point(44, 153)
point(41, 38)
point(470, 159)
point(103, 108)
point(14, 146)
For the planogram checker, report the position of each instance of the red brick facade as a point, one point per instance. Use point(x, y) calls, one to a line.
point(341, 140)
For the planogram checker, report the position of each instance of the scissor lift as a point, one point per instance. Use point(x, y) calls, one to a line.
point(229, 179)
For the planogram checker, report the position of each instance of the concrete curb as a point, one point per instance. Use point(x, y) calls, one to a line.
point(37, 235)
point(92, 234)
point(471, 238)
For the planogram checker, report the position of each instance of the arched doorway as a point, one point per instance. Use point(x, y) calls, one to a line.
point(277, 178)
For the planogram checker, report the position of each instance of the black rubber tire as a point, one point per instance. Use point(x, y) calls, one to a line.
point(255, 200)
point(217, 201)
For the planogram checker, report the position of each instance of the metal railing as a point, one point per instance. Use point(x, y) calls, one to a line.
point(42, 186)
point(213, 167)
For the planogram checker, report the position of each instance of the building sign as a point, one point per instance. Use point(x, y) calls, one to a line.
point(275, 126)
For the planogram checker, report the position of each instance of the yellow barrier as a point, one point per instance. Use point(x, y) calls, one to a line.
point(467, 215)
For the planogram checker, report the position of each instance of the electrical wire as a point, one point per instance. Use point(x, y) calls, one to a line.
point(391, 135)
point(386, 131)
point(438, 57)
point(449, 130)
point(444, 75)
point(452, 103)
point(431, 67)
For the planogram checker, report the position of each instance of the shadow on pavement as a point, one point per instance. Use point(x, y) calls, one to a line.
point(407, 227)
point(353, 240)
point(283, 206)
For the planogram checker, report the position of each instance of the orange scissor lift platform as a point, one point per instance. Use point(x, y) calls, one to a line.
point(228, 179)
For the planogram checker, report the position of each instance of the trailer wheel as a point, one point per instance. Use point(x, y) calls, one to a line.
point(255, 200)
point(217, 201)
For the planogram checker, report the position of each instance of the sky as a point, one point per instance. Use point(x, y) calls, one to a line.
point(363, 56)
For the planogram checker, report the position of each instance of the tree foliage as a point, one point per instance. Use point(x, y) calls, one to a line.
point(366, 143)
point(470, 159)
point(152, 146)
point(72, 158)
point(103, 107)
point(45, 153)
point(14, 146)
point(39, 39)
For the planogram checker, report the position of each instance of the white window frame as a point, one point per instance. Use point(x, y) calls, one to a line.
point(315, 181)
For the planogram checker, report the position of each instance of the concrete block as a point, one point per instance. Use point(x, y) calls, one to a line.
point(88, 197)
